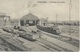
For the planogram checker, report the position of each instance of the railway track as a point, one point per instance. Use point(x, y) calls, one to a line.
point(50, 45)
point(60, 37)
point(12, 43)
point(47, 46)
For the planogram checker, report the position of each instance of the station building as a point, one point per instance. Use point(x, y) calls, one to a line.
point(4, 20)
point(29, 19)
point(2, 15)
point(43, 21)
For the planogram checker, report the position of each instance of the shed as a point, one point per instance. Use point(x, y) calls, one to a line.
point(43, 21)
point(29, 19)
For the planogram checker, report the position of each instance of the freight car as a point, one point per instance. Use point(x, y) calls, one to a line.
point(8, 29)
point(19, 28)
point(53, 30)
point(32, 36)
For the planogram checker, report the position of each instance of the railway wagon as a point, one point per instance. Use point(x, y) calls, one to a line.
point(53, 30)
point(33, 35)
point(30, 36)
point(8, 29)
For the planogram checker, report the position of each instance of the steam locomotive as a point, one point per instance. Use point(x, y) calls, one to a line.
point(54, 29)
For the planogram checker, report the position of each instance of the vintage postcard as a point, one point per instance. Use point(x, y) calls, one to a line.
point(39, 25)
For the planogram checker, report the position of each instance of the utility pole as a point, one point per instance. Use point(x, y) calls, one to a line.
point(70, 6)
point(56, 18)
point(47, 19)
point(70, 11)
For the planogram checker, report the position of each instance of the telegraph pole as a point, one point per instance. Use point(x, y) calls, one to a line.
point(56, 18)
point(70, 5)
point(47, 19)
point(70, 11)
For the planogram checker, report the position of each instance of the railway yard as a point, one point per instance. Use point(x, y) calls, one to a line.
point(39, 25)
point(32, 39)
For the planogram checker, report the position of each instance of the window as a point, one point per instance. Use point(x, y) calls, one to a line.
point(31, 22)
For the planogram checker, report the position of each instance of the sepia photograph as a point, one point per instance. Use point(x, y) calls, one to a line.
point(39, 25)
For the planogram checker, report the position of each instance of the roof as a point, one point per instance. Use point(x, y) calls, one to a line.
point(43, 20)
point(29, 17)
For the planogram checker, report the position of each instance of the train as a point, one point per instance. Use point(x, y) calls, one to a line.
point(18, 28)
point(8, 29)
point(32, 36)
point(53, 30)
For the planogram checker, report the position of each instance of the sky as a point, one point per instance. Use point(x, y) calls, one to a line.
point(18, 8)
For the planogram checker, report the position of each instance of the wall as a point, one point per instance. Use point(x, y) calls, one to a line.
point(1, 21)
